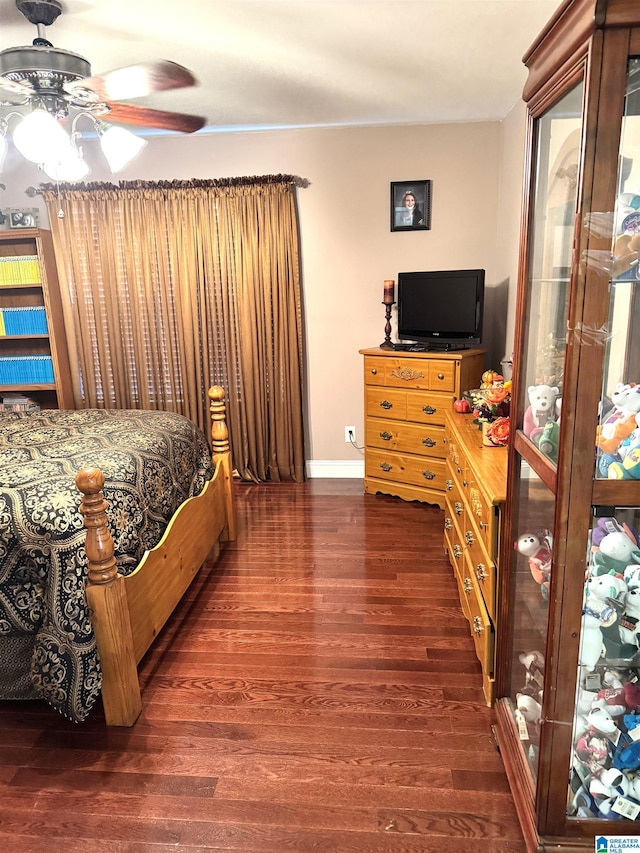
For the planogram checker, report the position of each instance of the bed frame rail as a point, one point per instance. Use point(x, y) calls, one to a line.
point(128, 612)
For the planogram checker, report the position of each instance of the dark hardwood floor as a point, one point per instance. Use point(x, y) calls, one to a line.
point(317, 690)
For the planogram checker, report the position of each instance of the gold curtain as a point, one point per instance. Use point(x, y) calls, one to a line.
point(174, 286)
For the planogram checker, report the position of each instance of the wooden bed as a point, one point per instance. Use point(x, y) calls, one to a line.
point(128, 612)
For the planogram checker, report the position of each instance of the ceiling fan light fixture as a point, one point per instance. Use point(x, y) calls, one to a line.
point(119, 146)
point(70, 168)
point(40, 138)
point(3, 142)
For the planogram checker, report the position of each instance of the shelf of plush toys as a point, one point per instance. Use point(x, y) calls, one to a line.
point(605, 771)
point(604, 777)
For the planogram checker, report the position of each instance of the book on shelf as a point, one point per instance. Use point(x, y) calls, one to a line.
point(19, 269)
point(26, 370)
point(23, 320)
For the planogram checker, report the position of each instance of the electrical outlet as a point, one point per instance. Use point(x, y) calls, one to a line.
point(350, 434)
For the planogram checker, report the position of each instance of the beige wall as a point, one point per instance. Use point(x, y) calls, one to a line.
point(510, 214)
point(347, 247)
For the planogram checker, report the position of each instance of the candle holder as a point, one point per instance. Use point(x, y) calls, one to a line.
point(386, 344)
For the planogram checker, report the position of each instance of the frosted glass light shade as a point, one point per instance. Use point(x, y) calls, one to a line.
point(69, 168)
point(120, 146)
point(3, 149)
point(40, 138)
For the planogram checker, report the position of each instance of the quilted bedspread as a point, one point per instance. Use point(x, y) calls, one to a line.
point(152, 462)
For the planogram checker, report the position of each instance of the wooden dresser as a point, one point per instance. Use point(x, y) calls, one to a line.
point(407, 396)
point(476, 484)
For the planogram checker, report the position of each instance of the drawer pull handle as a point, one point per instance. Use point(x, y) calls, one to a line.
point(385, 404)
point(478, 627)
point(374, 371)
point(457, 552)
point(429, 442)
point(483, 524)
point(481, 573)
point(444, 440)
point(449, 484)
point(464, 483)
point(441, 376)
point(469, 538)
point(458, 507)
point(467, 585)
point(428, 475)
point(429, 410)
point(386, 436)
point(385, 466)
point(447, 524)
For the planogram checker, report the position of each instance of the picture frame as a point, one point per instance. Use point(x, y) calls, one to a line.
point(411, 217)
point(23, 217)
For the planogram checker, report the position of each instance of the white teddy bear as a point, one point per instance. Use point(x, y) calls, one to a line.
point(541, 408)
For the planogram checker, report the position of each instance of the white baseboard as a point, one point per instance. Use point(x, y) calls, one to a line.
point(335, 468)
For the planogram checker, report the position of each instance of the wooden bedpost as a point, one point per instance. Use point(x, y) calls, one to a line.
point(222, 455)
point(108, 608)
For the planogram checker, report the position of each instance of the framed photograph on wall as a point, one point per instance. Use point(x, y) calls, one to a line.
point(410, 205)
point(23, 218)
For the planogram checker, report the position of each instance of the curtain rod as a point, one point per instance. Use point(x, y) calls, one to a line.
point(200, 183)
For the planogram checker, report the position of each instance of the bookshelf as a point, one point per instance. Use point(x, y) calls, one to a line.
point(34, 359)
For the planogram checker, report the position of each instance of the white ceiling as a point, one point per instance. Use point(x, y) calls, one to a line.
point(292, 63)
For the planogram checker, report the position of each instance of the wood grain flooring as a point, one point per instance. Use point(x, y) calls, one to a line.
point(316, 690)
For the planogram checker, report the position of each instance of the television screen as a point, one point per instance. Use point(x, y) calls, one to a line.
point(442, 309)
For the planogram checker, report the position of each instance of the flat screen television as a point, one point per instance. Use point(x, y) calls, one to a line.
point(441, 310)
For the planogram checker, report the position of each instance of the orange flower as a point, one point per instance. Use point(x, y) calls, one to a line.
point(496, 395)
point(498, 431)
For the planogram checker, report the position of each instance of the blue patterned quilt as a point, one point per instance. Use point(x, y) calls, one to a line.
point(152, 462)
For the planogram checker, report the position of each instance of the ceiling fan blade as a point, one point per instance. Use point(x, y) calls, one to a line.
point(147, 117)
point(135, 81)
point(16, 90)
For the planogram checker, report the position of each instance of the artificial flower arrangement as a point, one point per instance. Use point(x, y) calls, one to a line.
point(491, 408)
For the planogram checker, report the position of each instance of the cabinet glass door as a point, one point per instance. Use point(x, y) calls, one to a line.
point(557, 146)
point(557, 142)
point(530, 577)
point(618, 440)
point(605, 762)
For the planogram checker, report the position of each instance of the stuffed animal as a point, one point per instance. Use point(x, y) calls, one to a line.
point(616, 547)
point(626, 250)
point(537, 546)
point(631, 575)
point(629, 620)
point(541, 408)
point(621, 421)
point(605, 595)
point(548, 440)
point(533, 662)
point(594, 752)
point(591, 640)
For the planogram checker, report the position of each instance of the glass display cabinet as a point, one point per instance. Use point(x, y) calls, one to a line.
point(568, 683)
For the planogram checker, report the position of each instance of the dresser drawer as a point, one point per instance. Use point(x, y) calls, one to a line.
point(484, 515)
point(387, 465)
point(442, 375)
point(385, 403)
point(405, 437)
point(483, 567)
point(393, 372)
point(452, 489)
point(481, 626)
point(428, 408)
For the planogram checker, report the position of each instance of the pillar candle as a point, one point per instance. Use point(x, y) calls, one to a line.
point(389, 290)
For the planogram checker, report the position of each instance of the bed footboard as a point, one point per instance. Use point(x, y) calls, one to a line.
point(128, 612)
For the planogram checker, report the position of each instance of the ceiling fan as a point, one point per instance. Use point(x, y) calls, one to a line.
point(59, 83)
